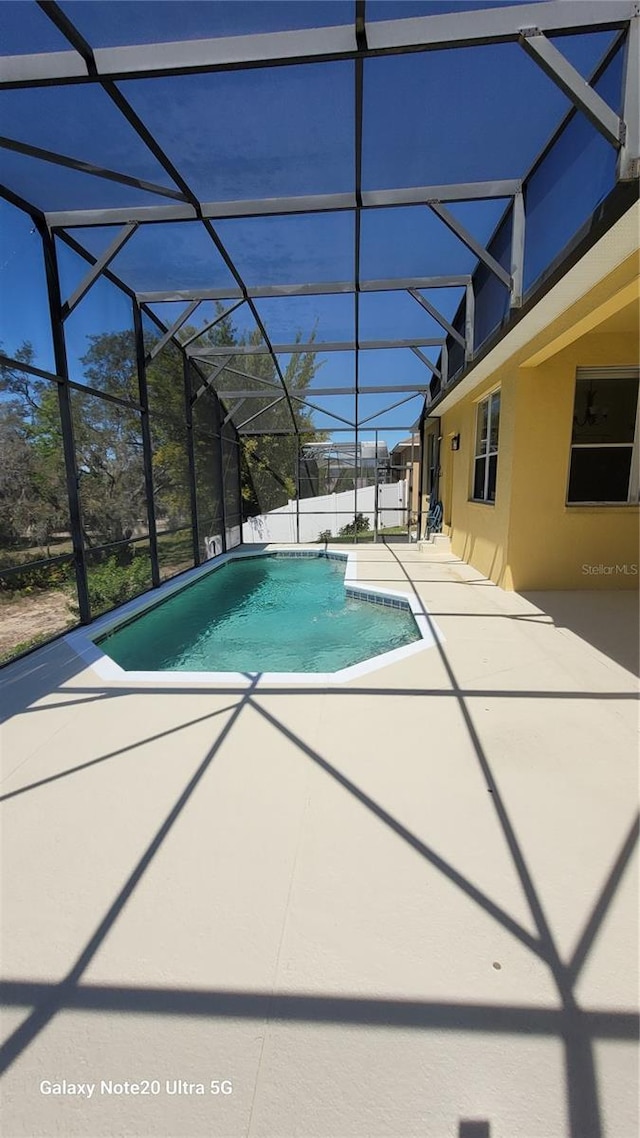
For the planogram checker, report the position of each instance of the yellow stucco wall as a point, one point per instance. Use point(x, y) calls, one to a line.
point(552, 545)
point(479, 531)
point(529, 538)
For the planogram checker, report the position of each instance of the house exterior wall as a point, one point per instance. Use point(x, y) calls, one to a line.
point(479, 531)
point(553, 545)
point(529, 538)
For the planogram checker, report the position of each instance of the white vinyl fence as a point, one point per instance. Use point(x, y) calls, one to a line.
point(329, 512)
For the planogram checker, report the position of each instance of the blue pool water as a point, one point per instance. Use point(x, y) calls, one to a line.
point(261, 614)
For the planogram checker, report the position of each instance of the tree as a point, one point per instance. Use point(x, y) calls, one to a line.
point(108, 439)
point(108, 442)
point(33, 492)
point(268, 461)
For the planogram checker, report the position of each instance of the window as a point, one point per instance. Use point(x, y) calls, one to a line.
point(604, 440)
point(486, 455)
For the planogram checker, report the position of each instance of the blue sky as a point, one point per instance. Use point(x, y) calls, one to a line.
point(428, 119)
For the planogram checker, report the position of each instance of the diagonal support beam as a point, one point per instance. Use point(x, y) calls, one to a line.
point(257, 415)
point(385, 410)
point(170, 333)
point(467, 239)
point(210, 379)
point(107, 257)
point(88, 168)
point(323, 410)
point(557, 67)
point(421, 356)
point(233, 410)
point(437, 316)
point(211, 324)
point(255, 378)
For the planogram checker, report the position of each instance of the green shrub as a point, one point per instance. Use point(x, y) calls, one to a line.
point(360, 524)
point(326, 535)
point(36, 578)
point(112, 583)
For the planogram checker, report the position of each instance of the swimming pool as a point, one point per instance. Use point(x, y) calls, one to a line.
point(274, 613)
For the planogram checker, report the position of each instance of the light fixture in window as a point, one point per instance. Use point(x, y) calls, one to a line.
point(592, 415)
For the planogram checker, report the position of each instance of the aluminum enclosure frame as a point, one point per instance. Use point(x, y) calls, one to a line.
point(528, 26)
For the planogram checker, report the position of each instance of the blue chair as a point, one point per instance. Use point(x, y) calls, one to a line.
point(434, 519)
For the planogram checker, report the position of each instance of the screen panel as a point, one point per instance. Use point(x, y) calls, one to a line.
point(291, 250)
point(570, 182)
point(191, 19)
point(396, 316)
point(175, 552)
point(311, 372)
point(165, 386)
point(232, 489)
point(89, 129)
point(112, 490)
point(34, 513)
point(36, 604)
point(323, 318)
point(25, 28)
point(479, 218)
point(389, 412)
point(117, 573)
point(207, 414)
point(464, 138)
point(51, 187)
point(268, 473)
point(410, 241)
point(172, 255)
point(395, 366)
point(257, 133)
point(101, 343)
point(170, 467)
point(208, 482)
point(94, 238)
point(25, 328)
point(492, 298)
point(385, 481)
point(324, 413)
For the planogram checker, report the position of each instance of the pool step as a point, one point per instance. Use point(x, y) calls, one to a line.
point(439, 541)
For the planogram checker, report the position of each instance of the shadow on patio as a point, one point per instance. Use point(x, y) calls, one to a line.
point(284, 714)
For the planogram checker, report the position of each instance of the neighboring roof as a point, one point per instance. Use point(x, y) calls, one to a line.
point(413, 440)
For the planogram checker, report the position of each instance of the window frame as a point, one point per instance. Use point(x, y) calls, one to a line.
point(489, 451)
point(610, 375)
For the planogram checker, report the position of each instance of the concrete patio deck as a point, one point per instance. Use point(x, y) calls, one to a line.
point(401, 908)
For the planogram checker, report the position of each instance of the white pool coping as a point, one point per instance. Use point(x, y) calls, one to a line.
point(82, 640)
